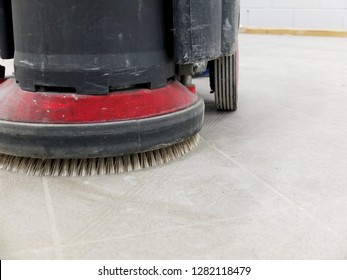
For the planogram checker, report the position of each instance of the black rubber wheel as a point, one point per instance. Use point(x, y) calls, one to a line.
point(225, 82)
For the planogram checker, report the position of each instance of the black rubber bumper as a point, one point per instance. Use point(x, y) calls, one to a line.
point(100, 139)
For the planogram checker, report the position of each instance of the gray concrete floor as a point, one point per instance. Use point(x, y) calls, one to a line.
point(266, 182)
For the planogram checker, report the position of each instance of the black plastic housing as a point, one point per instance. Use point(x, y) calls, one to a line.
point(92, 47)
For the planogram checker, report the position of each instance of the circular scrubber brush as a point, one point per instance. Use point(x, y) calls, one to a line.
point(97, 166)
point(60, 134)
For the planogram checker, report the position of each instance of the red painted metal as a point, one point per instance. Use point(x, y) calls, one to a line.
point(191, 88)
point(17, 105)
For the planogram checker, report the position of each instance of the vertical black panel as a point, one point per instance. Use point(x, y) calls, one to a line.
point(6, 30)
point(197, 25)
point(230, 25)
point(204, 30)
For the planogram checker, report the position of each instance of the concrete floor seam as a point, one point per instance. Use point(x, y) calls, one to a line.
point(277, 192)
point(52, 221)
point(313, 118)
point(64, 246)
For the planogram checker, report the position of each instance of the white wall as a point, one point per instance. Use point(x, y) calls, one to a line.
point(306, 14)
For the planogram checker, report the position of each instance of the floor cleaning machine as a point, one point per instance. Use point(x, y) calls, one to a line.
point(104, 87)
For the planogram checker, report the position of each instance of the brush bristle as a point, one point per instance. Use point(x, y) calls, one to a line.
point(97, 166)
